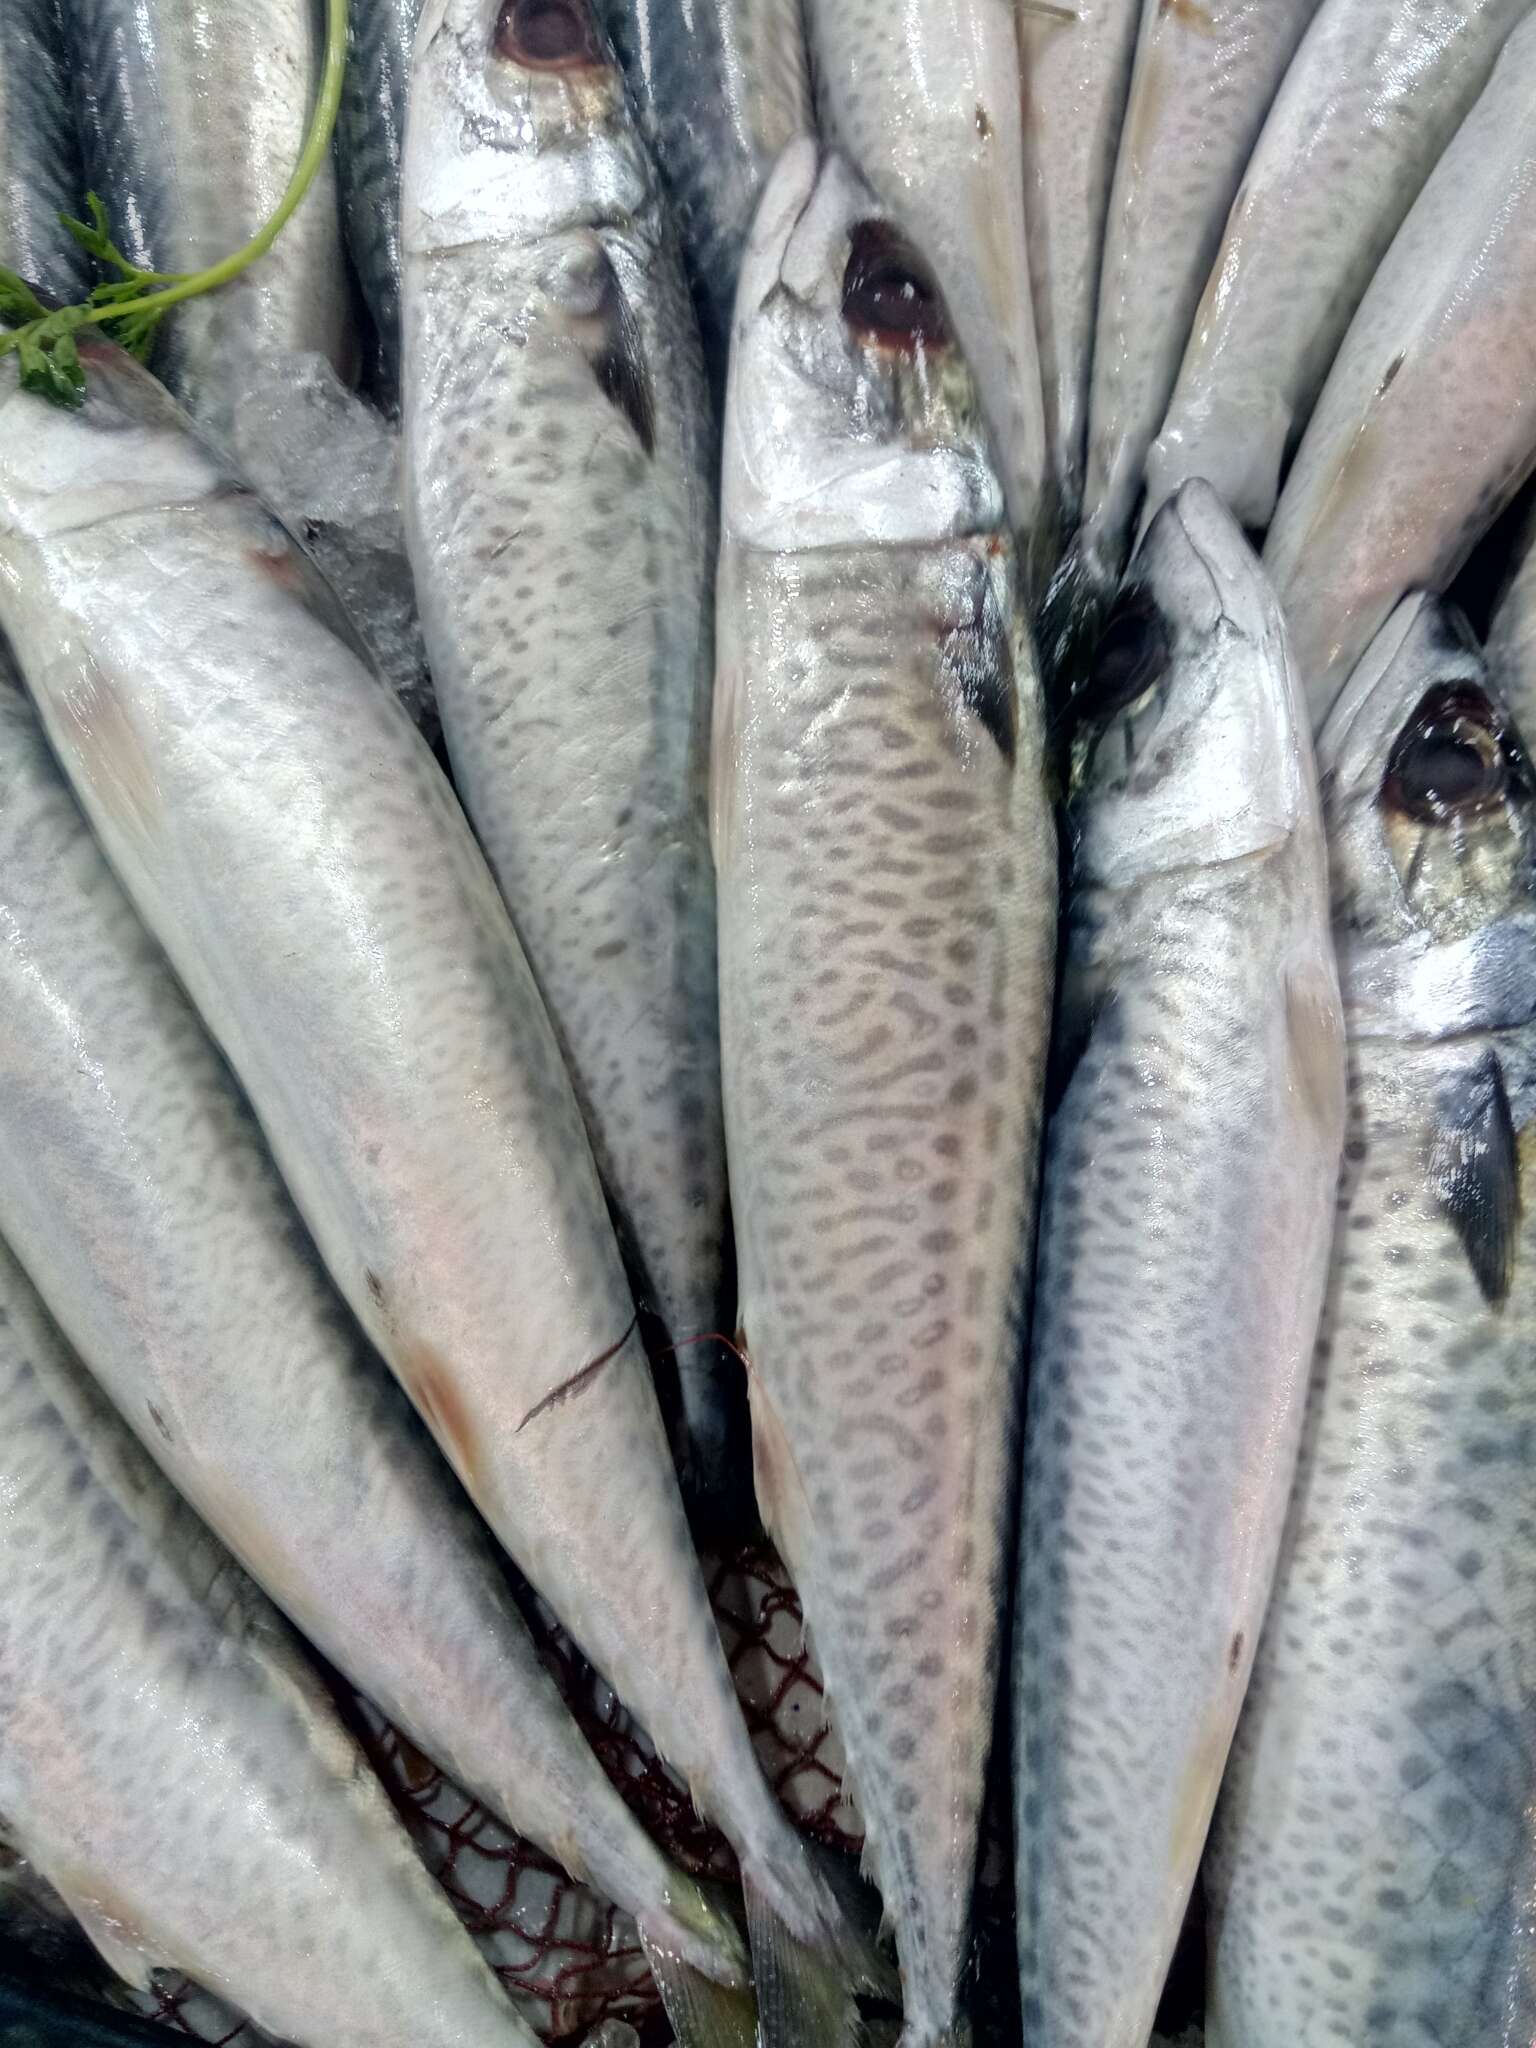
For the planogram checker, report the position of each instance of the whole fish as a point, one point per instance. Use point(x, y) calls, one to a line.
point(1373, 1865)
point(1376, 91)
point(926, 97)
point(1076, 74)
point(1427, 423)
point(1205, 74)
point(134, 1184)
point(370, 144)
point(194, 114)
point(561, 512)
point(40, 175)
point(1185, 1216)
point(721, 86)
point(887, 874)
point(170, 1766)
point(287, 836)
point(1511, 649)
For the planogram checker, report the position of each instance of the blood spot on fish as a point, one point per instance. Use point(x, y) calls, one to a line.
point(1235, 1652)
point(547, 35)
point(161, 1425)
point(889, 297)
point(983, 123)
point(429, 1380)
point(578, 1381)
point(374, 1285)
point(279, 565)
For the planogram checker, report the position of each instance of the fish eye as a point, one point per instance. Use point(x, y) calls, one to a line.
point(1453, 758)
point(547, 35)
point(1133, 653)
point(889, 296)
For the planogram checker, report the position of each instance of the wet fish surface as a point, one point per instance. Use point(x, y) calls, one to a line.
point(561, 507)
point(162, 1742)
point(193, 115)
point(925, 96)
point(40, 174)
point(1511, 648)
point(372, 998)
point(1372, 1867)
point(722, 87)
point(135, 1185)
point(1206, 72)
point(370, 147)
point(886, 860)
point(1076, 76)
point(1376, 91)
point(1185, 1214)
point(1427, 424)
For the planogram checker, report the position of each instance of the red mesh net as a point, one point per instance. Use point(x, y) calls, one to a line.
point(567, 1957)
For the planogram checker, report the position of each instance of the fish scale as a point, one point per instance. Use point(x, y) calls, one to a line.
point(134, 1183)
point(202, 1758)
point(1372, 1868)
point(886, 868)
point(1185, 1207)
point(561, 512)
point(40, 174)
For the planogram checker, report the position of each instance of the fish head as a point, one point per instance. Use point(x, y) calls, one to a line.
point(501, 86)
point(1430, 800)
point(128, 446)
point(853, 417)
point(1189, 739)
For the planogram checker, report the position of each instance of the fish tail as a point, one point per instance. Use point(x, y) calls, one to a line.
point(808, 1981)
point(704, 2013)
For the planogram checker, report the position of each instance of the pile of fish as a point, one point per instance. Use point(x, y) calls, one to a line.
point(945, 969)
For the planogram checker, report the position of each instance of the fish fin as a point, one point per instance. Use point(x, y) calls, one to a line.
point(723, 764)
point(781, 1496)
point(610, 340)
point(703, 2014)
point(805, 1995)
point(1314, 1038)
point(1475, 1170)
point(113, 1930)
point(976, 665)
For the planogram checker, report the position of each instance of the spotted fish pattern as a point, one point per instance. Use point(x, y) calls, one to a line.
point(561, 512)
point(1185, 1213)
point(163, 1744)
point(887, 880)
point(1373, 1866)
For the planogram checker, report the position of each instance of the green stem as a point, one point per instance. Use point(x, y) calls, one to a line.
point(317, 142)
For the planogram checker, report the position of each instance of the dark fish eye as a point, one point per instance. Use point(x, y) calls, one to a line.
point(1453, 758)
point(888, 295)
point(547, 35)
point(1133, 653)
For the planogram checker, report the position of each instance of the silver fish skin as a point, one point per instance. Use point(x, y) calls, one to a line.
point(216, 723)
point(171, 1767)
point(193, 114)
point(887, 874)
point(1375, 92)
point(40, 174)
point(722, 87)
point(560, 497)
point(1185, 1215)
point(926, 96)
point(1511, 647)
point(1373, 1869)
point(1076, 75)
point(1206, 72)
point(1426, 427)
point(135, 1186)
point(370, 147)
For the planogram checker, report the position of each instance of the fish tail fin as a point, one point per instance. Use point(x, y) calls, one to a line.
point(808, 1983)
point(704, 2012)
